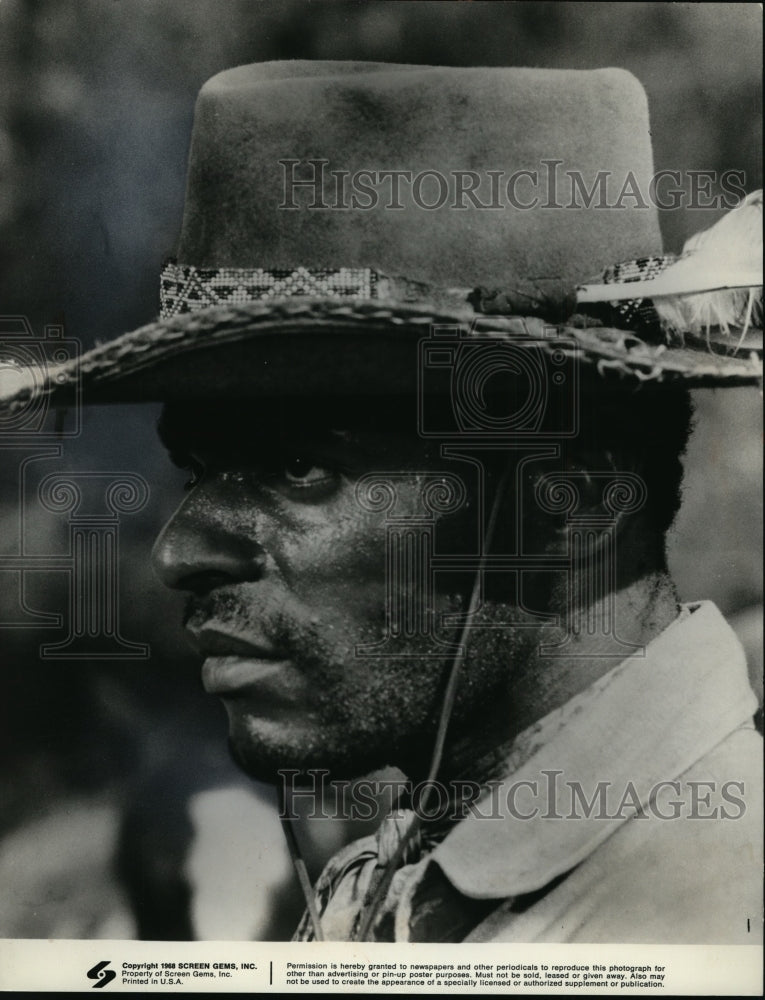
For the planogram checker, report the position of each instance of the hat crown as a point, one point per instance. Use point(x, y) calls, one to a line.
point(449, 176)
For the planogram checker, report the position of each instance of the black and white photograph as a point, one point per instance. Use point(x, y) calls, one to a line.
point(381, 496)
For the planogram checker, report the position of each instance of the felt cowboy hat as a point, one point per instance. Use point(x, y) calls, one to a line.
point(337, 211)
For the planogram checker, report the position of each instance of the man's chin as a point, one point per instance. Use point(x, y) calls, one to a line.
point(271, 764)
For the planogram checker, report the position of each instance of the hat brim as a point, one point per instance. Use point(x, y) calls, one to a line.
point(308, 346)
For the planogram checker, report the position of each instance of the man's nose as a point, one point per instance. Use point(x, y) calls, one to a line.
point(198, 550)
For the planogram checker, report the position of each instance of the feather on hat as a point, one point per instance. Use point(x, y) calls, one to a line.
point(716, 283)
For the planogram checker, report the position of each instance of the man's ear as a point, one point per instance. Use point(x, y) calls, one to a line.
point(592, 493)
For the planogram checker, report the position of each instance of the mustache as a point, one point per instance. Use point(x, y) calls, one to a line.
point(275, 624)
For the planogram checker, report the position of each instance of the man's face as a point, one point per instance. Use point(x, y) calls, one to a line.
point(287, 575)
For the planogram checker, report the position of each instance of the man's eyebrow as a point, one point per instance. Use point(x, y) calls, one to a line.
point(361, 448)
point(344, 437)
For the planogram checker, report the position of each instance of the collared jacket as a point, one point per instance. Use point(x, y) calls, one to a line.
point(631, 814)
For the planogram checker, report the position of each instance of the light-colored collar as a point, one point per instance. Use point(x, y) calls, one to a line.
point(646, 721)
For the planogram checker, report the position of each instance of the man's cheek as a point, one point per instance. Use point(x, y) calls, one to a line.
point(343, 535)
point(344, 608)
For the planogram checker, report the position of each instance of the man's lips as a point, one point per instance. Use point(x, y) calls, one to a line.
point(235, 663)
point(223, 675)
point(215, 640)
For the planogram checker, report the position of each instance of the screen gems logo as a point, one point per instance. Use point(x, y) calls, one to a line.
point(102, 975)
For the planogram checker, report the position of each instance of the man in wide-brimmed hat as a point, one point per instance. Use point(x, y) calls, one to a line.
point(426, 519)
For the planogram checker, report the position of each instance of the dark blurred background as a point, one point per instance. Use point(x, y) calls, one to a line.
point(122, 815)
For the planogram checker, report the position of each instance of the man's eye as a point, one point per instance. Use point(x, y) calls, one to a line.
point(303, 472)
